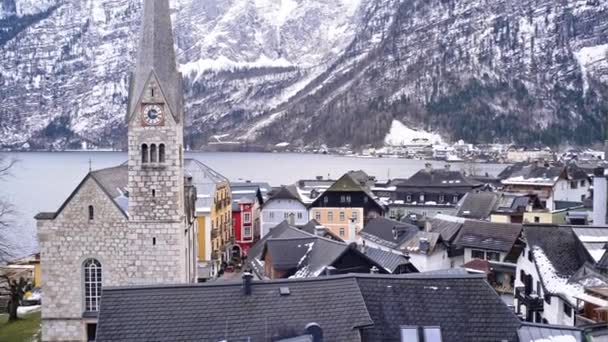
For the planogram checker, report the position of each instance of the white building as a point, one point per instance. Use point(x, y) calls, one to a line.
point(284, 205)
point(553, 270)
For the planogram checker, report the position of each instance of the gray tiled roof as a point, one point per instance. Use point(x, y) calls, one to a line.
point(464, 306)
point(380, 231)
point(477, 205)
point(390, 261)
point(438, 178)
point(488, 235)
point(558, 244)
point(223, 312)
point(448, 228)
point(530, 332)
point(156, 53)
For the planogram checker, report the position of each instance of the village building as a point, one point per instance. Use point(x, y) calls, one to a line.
point(557, 266)
point(212, 200)
point(284, 204)
point(249, 197)
point(550, 182)
point(133, 224)
point(522, 154)
point(430, 192)
point(309, 189)
point(345, 207)
point(294, 252)
point(499, 244)
point(353, 307)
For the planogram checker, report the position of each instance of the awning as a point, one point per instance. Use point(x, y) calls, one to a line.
point(592, 299)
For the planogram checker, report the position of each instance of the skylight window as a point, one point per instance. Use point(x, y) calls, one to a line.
point(421, 334)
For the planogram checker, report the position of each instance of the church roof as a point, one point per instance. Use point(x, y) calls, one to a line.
point(156, 54)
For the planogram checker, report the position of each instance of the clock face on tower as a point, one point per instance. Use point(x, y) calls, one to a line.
point(152, 115)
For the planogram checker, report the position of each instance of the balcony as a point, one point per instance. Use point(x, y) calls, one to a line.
point(214, 233)
point(531, 300)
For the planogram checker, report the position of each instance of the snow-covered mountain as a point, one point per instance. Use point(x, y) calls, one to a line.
point(313, 71)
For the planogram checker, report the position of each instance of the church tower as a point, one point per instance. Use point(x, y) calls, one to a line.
point(155, 122)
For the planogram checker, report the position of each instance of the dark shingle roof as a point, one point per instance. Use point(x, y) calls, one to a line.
point(288, 254)
point(464, 306)
point(380, 230)
point(223, 312)
point(477, 205)
point(439, 178)
point(390, 261)
point(286, 193)
point(448, 227)
point(558, 244)
point(488, 235)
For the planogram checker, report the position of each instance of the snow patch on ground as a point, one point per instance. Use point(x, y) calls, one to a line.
point(400, 135)
point(223, 63)
point(589, 56)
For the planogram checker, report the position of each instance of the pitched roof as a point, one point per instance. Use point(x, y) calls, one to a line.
point(562, 269)
point(488, 235)
point(285, 193)
point(222, 312)
point(447, 226)
point(389, 260)
point(593, 239)
point(380, 231)
point(422, 243)
point(537, 174)
point(438, 178)
point(477, 205)
point(288, 254)
point(464, 306)
point(156, 54)
point(206, 180)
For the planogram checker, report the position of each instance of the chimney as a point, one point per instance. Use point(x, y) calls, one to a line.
point(599, 197)
point(247, 279)
point(374, 270)
point(314, 330)
point(319, 230)
point(352, 230)
point(428, 167)
point(330, 270)
point(319, 178)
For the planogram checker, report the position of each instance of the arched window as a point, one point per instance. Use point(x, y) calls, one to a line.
point(144, 153)
point(91, 212)
point(161, 153)
point(153, 153)
point(92, 284)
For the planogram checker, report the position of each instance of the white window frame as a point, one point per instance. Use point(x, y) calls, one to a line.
point(246, 217)
point(92, 281)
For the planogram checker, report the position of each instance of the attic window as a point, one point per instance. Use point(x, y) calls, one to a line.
point(420, 334)
point(91, 213)
point(284, 291)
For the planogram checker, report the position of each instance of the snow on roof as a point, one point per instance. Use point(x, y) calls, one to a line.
point(552, 282)
point(560, 338)
point(591, 238)
point(521, 180)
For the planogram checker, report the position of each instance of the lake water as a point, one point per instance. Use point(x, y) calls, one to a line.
point(42, 181)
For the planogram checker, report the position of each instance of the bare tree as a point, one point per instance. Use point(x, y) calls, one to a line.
point(6, 210)
point(14, 286)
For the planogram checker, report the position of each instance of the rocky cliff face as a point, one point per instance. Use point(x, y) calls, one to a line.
point(314, 71)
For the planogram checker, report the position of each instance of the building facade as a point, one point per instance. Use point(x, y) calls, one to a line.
point(281, 206)
point(130, 224)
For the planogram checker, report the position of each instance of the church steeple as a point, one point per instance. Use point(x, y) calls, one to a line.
point(156, 55)
point(155, 122)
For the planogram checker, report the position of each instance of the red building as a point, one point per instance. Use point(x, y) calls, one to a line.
point(242, 219)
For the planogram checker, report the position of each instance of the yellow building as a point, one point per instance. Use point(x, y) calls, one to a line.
point(213, 215)
point(339, 220)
